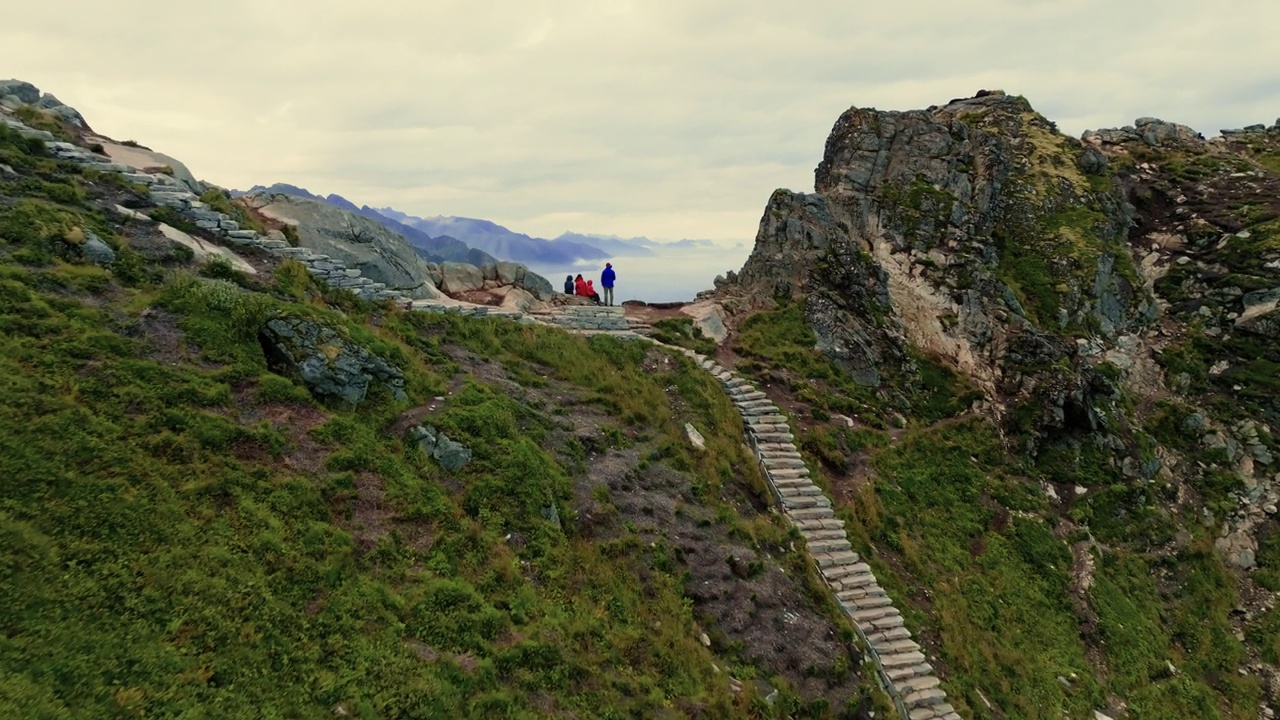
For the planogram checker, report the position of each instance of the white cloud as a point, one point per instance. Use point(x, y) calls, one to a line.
point(662, 118)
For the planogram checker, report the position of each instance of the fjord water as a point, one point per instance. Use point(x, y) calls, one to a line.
point(667, 276)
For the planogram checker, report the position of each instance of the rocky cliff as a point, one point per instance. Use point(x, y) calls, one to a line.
point(1114, 301)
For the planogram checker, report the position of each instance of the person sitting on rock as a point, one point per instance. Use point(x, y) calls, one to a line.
point(580, 287)
point(606, 281)
point(591, 293)
point(568, 284)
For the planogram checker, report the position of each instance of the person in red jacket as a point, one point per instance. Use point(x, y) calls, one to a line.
point(580, 286)
point(591, 293)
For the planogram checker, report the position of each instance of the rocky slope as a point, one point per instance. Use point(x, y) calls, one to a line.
point(1111, 305)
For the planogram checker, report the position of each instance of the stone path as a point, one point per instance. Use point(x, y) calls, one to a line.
point(904, 671)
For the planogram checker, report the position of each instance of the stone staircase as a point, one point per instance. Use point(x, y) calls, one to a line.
point(590, 319)
point(902, 668)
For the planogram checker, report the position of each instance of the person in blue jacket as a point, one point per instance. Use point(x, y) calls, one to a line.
point(606, 281)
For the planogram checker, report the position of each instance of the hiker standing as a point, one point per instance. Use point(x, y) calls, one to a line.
point(606, 281)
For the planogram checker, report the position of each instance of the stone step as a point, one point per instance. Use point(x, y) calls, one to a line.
point(906, 672)
point(761, 429)
point(765, 420)
point(905, 659)
point(930, 696)
point(798, 502)
point(831, 545)
point(819, 524)
point(843, 557)
point(872, 600)
point(748, 396)
point(871, 615)
point(890, 635)
point(775, 437)
point(864, 582)
point(779, 455)
point(783, 463)
point(820, 534)
point(859, 595)
point(780, 474)
point(799, 489)
point(884, 622)
point(920, 682)
point(811, 513)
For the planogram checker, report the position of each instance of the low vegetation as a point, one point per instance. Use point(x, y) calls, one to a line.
point(184, 531)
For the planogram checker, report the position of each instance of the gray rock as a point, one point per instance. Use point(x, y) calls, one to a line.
point(695, 437)
point(509, 273)
point(333, 368)
point(53, 106)
point(24, 91)
point(451, 455)
point(460, 277)
point(355, 241)
point(1092, 161)
point(95, 251)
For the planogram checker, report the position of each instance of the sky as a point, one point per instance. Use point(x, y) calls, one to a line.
point(664, 118)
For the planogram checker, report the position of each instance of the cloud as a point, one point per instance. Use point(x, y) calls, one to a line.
point(661, 118)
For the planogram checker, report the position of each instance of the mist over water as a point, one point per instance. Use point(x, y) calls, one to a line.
point(668, 276)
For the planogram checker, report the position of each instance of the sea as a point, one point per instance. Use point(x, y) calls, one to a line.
point(667, 276)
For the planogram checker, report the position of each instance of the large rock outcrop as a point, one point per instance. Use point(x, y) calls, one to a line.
point(360, 243)
point(959, 229)
point(333, 368)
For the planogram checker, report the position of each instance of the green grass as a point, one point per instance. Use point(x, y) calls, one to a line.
point(683, 333)
point(972, 533)
point(781, 341)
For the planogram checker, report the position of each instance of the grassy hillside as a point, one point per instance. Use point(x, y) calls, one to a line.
point(1034, 606)
point(185, 533)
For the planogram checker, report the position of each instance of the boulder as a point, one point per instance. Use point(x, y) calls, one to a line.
point(332, 368)
point(695, 437)
point(709, 318)
point(54, 106)
point(451, 455)
point(538, 285)
point(23, 91)
point(518, 299)
point(358, 242)
point(1261, 314)
point(509, 273)
point(460, 277)
point(95, 251)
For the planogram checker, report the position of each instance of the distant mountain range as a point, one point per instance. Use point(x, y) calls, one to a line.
point(478, 241)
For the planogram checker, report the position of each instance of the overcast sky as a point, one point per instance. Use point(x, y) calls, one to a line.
point(666, 118)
